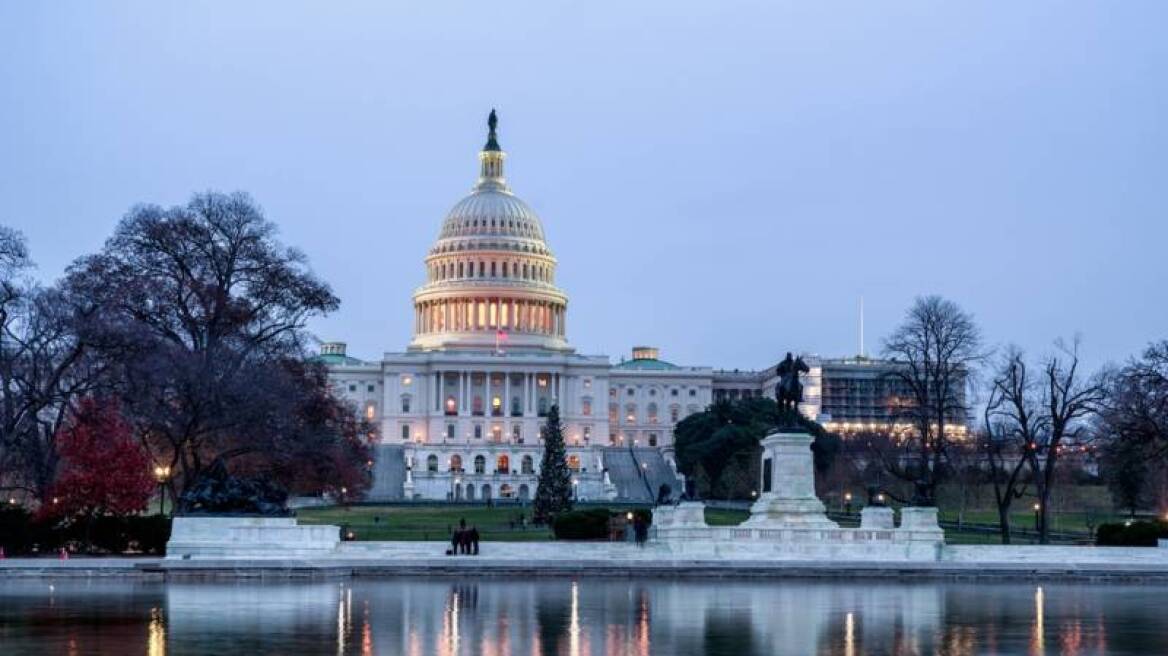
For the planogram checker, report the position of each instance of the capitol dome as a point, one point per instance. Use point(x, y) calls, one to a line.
point(490, 275)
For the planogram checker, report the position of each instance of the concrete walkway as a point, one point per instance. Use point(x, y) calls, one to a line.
point(620, 559)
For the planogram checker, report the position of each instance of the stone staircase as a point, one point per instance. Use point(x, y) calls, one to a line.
point(639, 473)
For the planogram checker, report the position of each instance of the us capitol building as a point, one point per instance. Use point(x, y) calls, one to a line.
point(461, 410)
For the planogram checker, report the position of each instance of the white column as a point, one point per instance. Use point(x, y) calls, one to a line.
point(506, 396)
point(462, 393)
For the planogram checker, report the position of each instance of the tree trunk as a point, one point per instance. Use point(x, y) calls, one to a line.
point(1004, 521)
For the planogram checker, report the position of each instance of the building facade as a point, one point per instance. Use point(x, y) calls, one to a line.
point(461, 409)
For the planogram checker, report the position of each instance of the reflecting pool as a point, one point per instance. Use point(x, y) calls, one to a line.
point(489, 617)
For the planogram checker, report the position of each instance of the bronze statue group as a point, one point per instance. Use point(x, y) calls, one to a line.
point(464, 541)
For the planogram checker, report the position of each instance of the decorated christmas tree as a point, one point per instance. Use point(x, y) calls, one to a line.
point(554, 494)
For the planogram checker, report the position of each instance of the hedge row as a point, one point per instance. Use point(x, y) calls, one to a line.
point(21, 533)
point(590, 524)
point(1131, 534)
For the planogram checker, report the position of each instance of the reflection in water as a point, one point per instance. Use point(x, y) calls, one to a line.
point(490, 617)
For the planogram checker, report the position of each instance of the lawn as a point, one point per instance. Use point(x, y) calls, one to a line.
point(427, 522)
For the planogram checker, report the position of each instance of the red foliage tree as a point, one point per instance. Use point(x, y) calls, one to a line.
point(104, 470)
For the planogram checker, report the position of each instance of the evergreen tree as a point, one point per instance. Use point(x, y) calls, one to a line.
point(554, 493)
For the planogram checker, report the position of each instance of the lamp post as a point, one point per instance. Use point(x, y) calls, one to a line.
point(1037, 517)
point(848, 502)
point(161, 474)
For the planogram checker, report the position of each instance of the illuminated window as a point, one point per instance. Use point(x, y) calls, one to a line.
point(451, 406)
point(587, 383)
point(503, 464)
point(496, 406)
point(587, 434)
point(455, 463)
point(370, 411)
point(497, 433)
point(574, 462)
point(631, 413)
point(406, 380)
point(586, 407)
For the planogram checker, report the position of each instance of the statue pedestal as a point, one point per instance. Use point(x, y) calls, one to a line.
point(788, 486)
point(877, 517)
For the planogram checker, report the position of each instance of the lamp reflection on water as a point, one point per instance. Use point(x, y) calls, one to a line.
point(156, 634)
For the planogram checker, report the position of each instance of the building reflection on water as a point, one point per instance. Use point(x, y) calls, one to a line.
point(490, 616)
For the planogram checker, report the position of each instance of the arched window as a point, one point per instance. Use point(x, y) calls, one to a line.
point(503, 464)
point(631, 413)
point(574, 462)
point(486, 492)
point(652, 413)
point(470, 491)
point(505, 491)
point(432, 463)
point(524, 492)
point(455, 463)
point(527, 465)
point(480, 464)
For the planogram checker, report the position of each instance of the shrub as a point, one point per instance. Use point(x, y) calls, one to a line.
point(22, 533)
point(591, 524)
point(1133, 534)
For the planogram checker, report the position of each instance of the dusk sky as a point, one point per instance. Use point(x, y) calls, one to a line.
point(721, 180)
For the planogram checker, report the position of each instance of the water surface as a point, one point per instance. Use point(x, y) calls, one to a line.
point(489, 617)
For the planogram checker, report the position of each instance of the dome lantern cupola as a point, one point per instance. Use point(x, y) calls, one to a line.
point(491, 160)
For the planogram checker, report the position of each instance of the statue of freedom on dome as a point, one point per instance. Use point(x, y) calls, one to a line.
point(789, 391)
point(492, 120)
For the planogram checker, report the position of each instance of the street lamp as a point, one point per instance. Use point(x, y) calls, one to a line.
point(161, 474)
point(848, 502)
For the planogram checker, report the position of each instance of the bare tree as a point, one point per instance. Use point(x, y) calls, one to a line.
point(43, 369)
point(203, 312)
point(938, 346)
point(1137, 401)
point(1012, 420)
point(1069, 400)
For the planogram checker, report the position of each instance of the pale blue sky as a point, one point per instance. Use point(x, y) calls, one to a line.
point(1012, 156)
